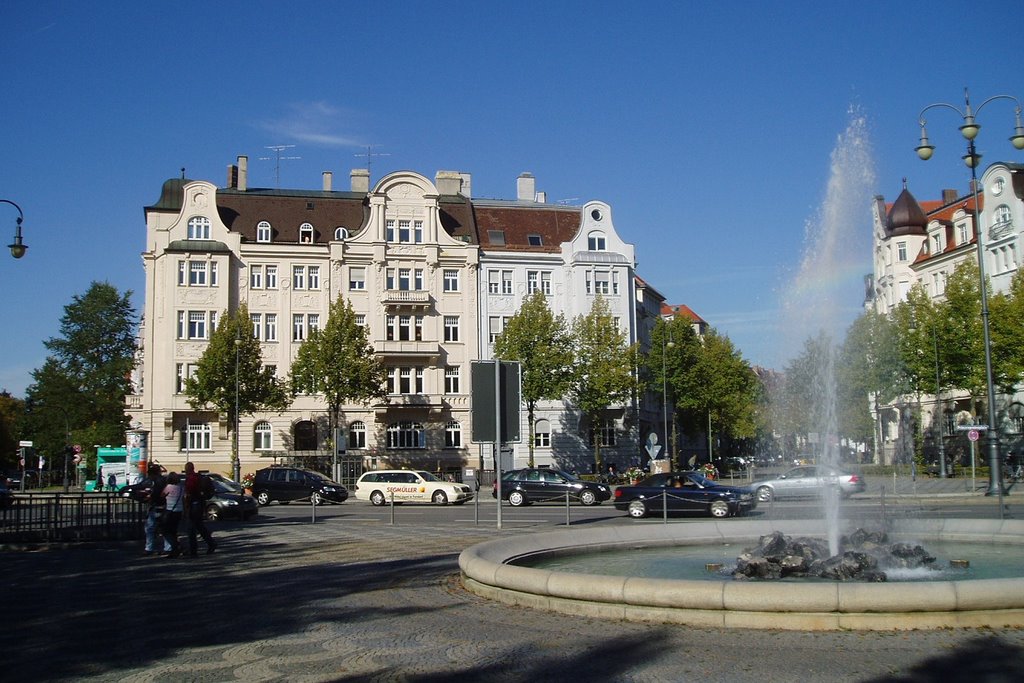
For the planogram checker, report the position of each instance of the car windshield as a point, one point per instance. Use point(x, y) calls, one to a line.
point(570, 477)
point(427, 476)
point(700, 479)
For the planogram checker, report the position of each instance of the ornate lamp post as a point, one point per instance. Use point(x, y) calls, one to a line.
point(670, 452)
point(924, 150)
point(17, 248)
point(237, 464)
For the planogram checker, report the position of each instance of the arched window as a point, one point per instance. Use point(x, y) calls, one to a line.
point(542, 434)
point(1002, 222)
point(304, 434)
point(306, 233)
point(262, 436)
point(406, 435)
point(596, 241)
point(340, 233)
point(357, 435)
point(263, 231)
point(198, 228)
point(453, 434)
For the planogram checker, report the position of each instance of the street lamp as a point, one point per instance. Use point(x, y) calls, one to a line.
point(938, 417)
point(17, 247)
point(237, 468)
point(664, 399)
point(924, 150)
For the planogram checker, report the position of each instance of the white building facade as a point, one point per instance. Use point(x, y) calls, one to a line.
point(923, 243)
point(418, 260)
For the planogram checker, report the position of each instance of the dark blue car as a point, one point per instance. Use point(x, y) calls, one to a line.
point(683, 492)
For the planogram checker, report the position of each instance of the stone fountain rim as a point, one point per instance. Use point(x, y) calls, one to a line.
point(747, 604)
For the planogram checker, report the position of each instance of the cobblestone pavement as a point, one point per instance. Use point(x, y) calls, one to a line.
point(343, 600)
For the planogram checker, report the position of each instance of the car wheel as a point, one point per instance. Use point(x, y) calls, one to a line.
point(588, 497)
point(263, 498)
point(516, 499)
point(439, 498)
point(637, 509)
point(377, 498)
point(316, 499)
point(764, 494)
point(212, 513)
point(719, 508)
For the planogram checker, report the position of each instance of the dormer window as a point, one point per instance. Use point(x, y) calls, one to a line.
point(263, 231)
point(936, 244)
point(340, 234)
point(497, 237)
point(199, 228)
point(961, 234)
point(535, 240)
point(306, 234)
point(596, 241)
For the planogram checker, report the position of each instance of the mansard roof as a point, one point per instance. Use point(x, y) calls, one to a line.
point(286, 210)
point(518, 220)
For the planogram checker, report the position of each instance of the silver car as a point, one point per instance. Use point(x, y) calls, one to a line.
point(807, 481)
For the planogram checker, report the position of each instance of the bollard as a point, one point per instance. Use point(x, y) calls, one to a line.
point(664, 506)
point(392, 508)
point(567, 522)
point(312, 501)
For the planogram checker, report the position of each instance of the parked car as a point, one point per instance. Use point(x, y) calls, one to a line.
point(231, 484)
point(409, 486)
point(138, 491)
point(683, 492)
point(285, 484)
point(807, 481)
point(539, 484)
point(229, 503)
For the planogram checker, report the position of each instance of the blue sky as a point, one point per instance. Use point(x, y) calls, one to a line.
point(708, 127)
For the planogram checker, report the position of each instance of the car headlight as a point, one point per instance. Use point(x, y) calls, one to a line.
point(329, 489)
point(229, 502)
point(602, 488)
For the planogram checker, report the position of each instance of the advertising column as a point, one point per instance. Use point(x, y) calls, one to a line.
point(138, 455)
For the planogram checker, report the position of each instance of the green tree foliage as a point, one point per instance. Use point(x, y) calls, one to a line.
point(233, 359)
point(868, 373)
point(961, 337)
point(1006, 327)
point(603, 373)
point(339, 363)
point(11, 410)
point(81, 387)
point(804, 406)
point(540, 341)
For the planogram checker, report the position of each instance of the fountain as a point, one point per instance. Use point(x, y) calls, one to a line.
point(814, 308)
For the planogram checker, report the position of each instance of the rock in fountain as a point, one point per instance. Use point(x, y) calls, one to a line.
point(862, 556)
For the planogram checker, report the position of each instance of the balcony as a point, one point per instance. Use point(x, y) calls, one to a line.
point(429, 402)
point(408, 298)
point(410, 349)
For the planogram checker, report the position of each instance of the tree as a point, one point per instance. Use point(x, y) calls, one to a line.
point(961, 338)
point(603, 373)
point(1006, 311)
point(805, 406)
point(675, 347)
point(716, 388)
point(230, 373)
point(11, 410)
point(338, 362)
point(539, 340)
point(78, 394)
point(868, 372)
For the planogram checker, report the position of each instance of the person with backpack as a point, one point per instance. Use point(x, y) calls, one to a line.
point(198, 490)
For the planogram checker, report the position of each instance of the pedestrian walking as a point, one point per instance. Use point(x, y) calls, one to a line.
point(174, 502)
point(155, 516)
point(198, 489)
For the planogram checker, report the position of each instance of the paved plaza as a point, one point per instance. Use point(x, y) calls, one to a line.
point(356, 599)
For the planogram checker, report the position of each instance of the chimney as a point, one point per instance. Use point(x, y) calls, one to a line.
point(467, 184)
point(232, 176)
point(360, 180)
point(328, 180)
point(526, 188)
point(542, 197)
point(243, 173)
point(949, 196)
point(448, 182)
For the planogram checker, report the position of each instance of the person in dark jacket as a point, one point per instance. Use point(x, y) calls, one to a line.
point(156, 510)
point(197, 492)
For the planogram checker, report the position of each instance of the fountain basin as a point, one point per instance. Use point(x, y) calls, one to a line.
point(748, 604)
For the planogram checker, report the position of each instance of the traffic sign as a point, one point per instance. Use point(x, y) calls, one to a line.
point(968, 428)
point(653, 450)
point(973, 435)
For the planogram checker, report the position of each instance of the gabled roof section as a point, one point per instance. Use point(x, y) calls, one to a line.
point(286, 210)
point(680, 310)
point(518, 221)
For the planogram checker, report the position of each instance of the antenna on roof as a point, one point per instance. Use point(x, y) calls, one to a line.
point(278, 158)
point(369, 154)
point(567, 202)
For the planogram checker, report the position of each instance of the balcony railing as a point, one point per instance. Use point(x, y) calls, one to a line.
point(406, 297)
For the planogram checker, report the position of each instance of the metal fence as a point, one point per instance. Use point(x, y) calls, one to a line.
point(65, 517)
